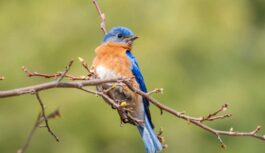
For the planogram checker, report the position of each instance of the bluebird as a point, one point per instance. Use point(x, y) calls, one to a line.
point(114, 59)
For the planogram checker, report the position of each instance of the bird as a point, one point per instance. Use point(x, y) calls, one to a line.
point(114, 58)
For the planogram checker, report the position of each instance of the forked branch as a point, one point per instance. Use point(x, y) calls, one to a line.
point(37, 124)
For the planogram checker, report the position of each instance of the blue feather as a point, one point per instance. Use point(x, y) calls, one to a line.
point(140, 80)
point(111, 35)
point(151, 142)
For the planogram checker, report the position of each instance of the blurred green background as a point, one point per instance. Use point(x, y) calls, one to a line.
point(203, 53)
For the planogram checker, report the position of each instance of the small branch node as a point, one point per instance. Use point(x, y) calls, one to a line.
point(231, 130)
point(161, 111)
point(258, 128)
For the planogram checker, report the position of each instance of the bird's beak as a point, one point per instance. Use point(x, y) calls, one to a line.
point(132, 38)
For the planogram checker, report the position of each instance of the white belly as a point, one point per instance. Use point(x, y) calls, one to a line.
point(105, 73)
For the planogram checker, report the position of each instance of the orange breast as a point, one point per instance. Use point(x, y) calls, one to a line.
point(113, 57)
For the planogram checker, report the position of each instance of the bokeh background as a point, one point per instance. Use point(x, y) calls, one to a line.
point(203, 53)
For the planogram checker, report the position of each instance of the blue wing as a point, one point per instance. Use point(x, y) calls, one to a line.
point(140, 80)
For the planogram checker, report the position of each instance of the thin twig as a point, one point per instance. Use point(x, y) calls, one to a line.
point(26, 145)
point(213, 116)
point(63, 74)
point(43, 114)
point(102, 17)
point(222, 144)
point(156, 90)
point(55, 75)
point(37, 123)
point(67, 68)
point(84, 64)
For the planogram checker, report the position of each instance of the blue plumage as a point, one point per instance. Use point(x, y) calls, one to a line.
point(113, 34)
point(151, 142)
point(140, 80)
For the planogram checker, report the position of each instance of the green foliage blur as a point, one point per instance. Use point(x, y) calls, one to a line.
point(203, 53)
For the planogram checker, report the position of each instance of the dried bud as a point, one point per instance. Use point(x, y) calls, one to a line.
point(161, 90)
point(55, 114)
point(81, 59)
point(223, 146)
point(83, 77)
point(161, 139)
point(2, 77)
point(257, 129)
point(23, 68)
point(19, 151)
point(224, 107)
point(165, 146)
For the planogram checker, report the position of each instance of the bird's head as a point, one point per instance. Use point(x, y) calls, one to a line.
point(120, 35)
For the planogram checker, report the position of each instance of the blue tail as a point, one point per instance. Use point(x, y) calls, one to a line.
point(151, 142)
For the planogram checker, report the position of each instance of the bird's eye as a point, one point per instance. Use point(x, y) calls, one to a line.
point(119, 35)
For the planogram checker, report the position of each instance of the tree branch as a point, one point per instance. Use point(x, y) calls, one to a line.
point(54, 84)
point(102, 17)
